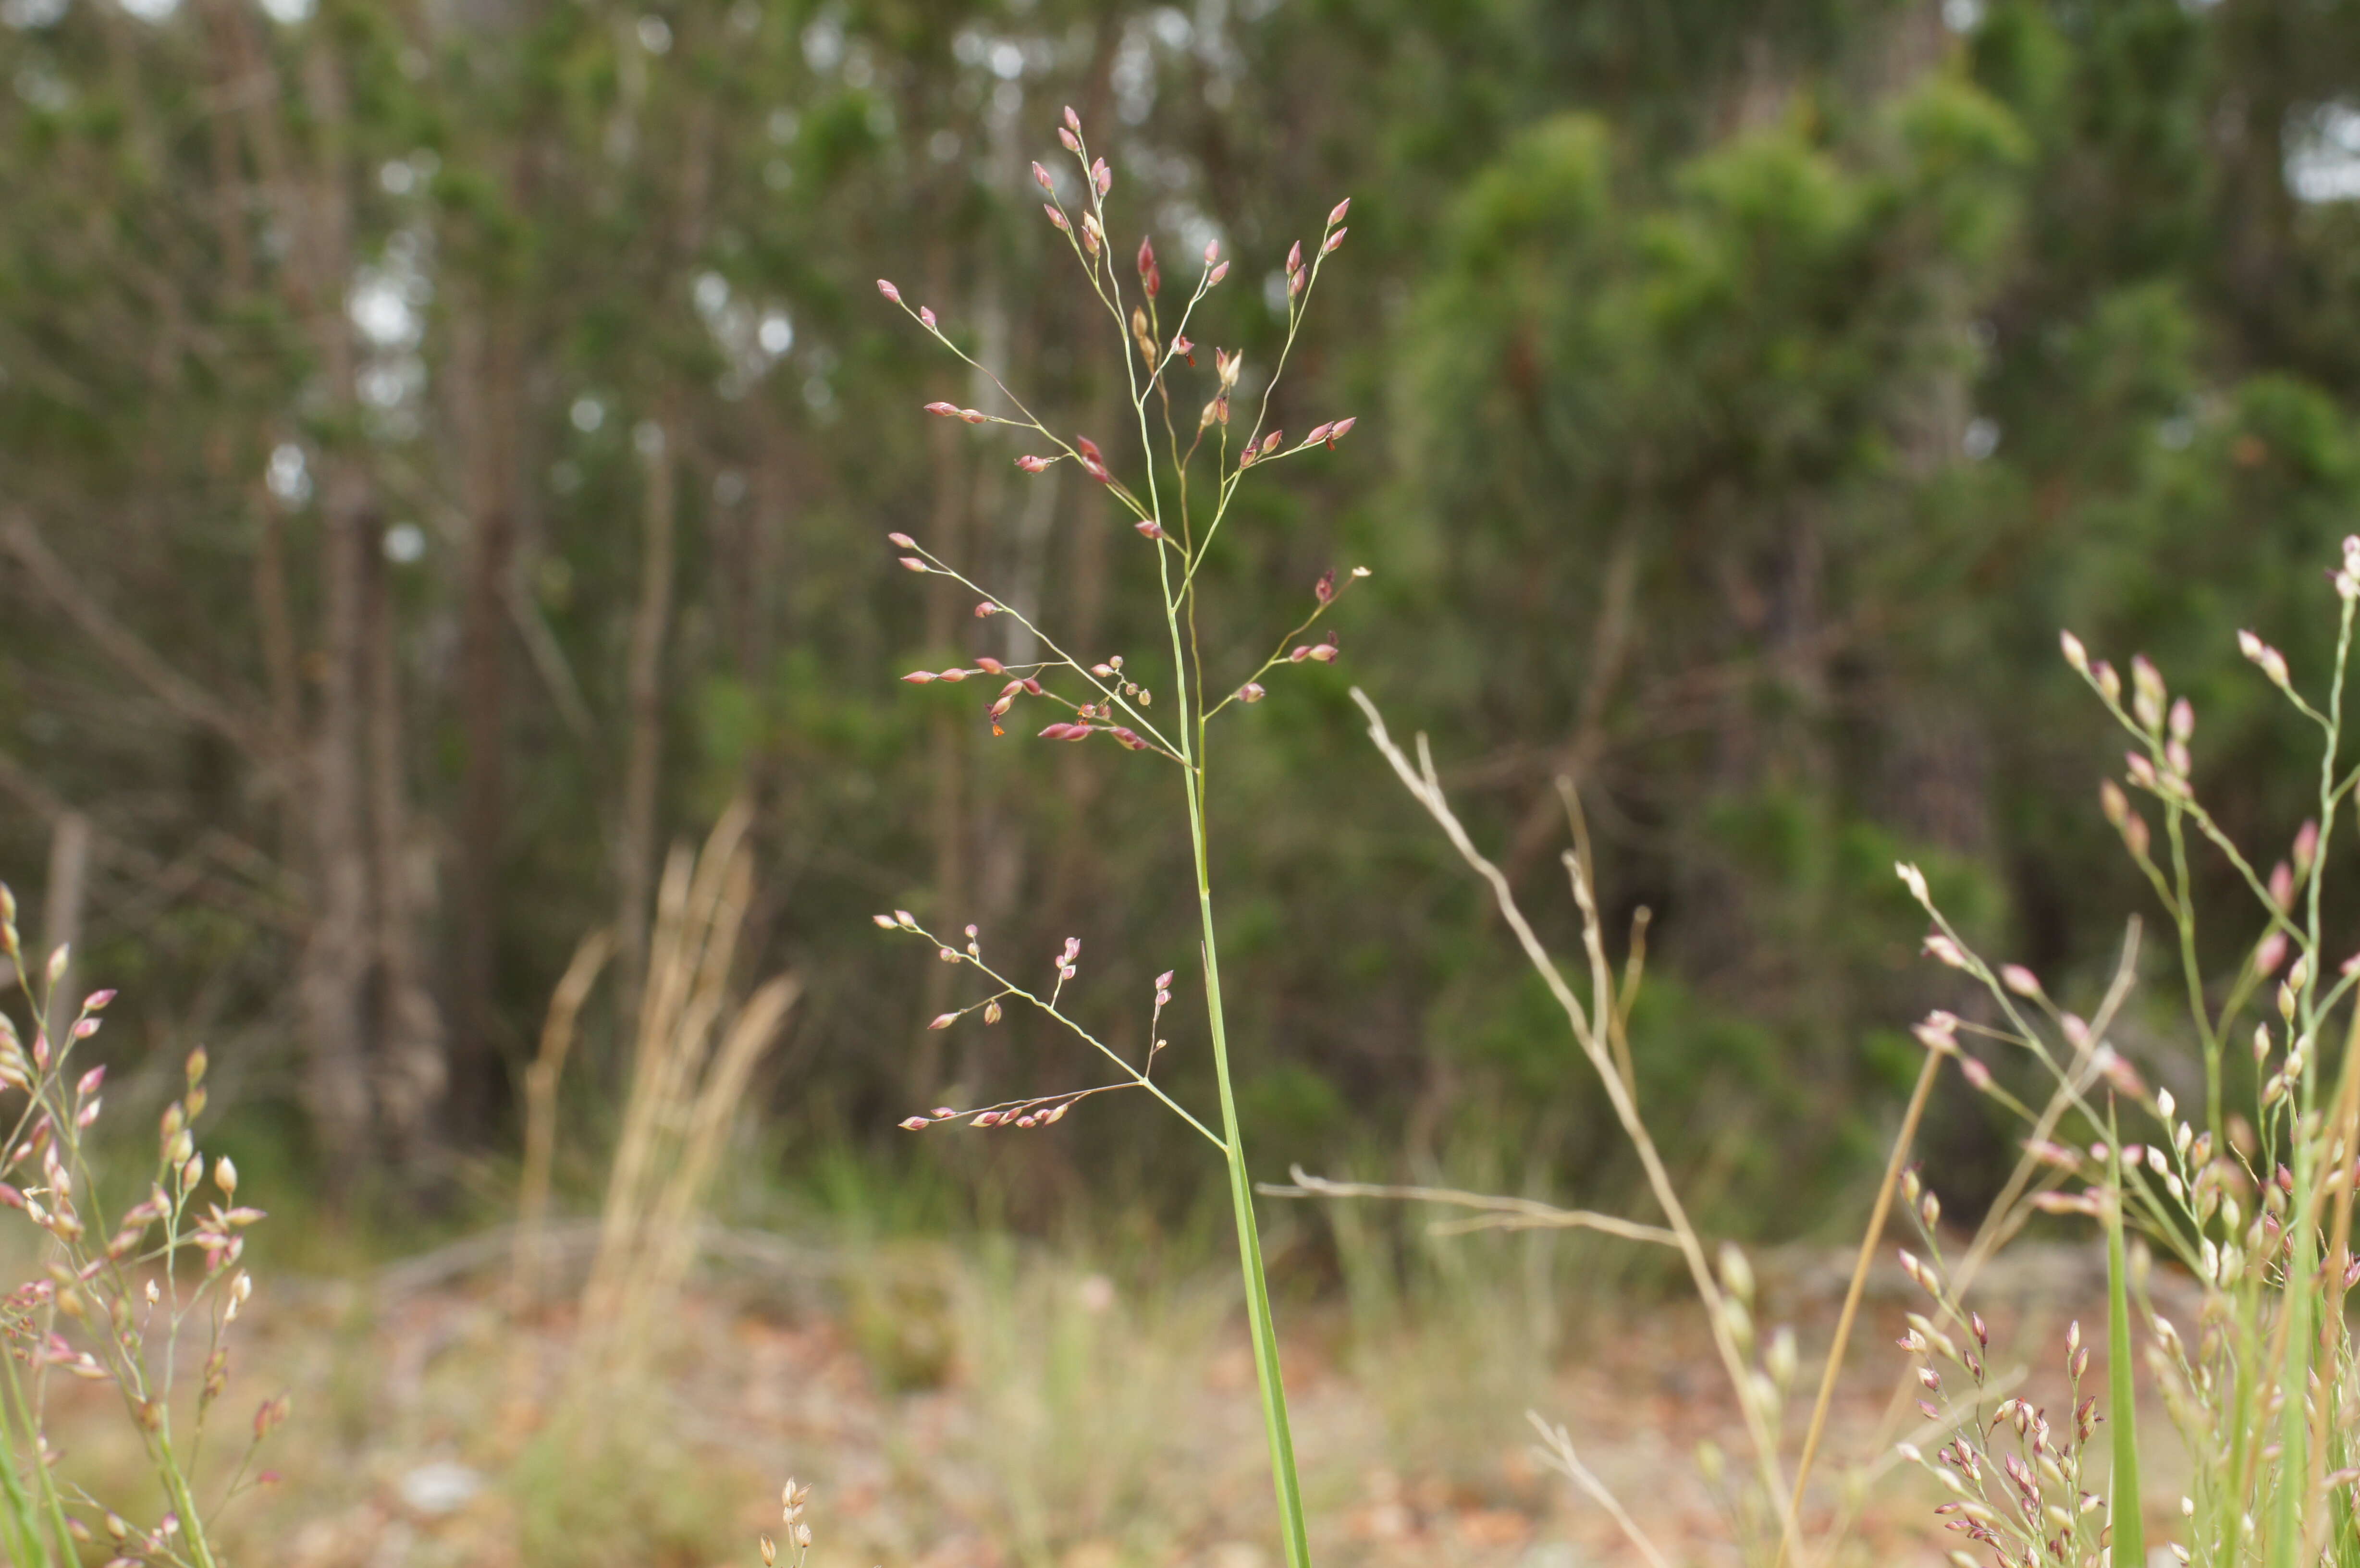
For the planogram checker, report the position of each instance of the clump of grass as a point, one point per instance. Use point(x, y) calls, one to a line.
point(1074, 1381)
point(599, 1484)
point(1183, 496)
point(2248, 1192)
point(694, 1053)
point(142, 1301)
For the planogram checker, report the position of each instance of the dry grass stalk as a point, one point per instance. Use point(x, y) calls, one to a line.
point(558, 1033)
point(1593, 1027)
point(694, 1053)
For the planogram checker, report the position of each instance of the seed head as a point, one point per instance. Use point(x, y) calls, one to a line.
point(1325, 589)
point(1057, 217)
point(2019, 979)
point(1295, 259)
point(1151, 279)
point(1251, 691)
point(912, 564)
point(1149, 529)
point(1102, 177)
point(1220, 270)
point(1337, 217)
point(901, 540)
point(1093, 462)
point(887, 288)
point(1031, 464)
point(914, 1123)
point(1073, 143)
point(1327, 247)
point(1042, 175)
point(1073, 121)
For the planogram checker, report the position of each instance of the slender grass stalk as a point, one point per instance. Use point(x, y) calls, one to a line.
point(1270, 1383)
point(2129, 1539)
point(1870, 1238)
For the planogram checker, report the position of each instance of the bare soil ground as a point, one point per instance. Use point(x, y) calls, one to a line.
point(1042, 1420)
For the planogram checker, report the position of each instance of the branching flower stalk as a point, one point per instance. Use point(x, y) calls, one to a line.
point(116, 1299)
point(1094, 697)
point(2255, 1202)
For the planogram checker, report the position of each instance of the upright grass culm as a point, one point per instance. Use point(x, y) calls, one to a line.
point(1105, 697)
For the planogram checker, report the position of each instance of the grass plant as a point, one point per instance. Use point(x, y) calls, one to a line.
point(1190, 477)
point(2248, 1194)
point(143, 1302)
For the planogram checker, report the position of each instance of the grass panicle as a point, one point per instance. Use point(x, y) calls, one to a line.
point(1190, 475)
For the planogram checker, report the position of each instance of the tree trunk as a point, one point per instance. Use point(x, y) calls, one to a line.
point(635, 843)
point(486, 391)
point(409, 1072)
point(332, 981)
point(62, 911)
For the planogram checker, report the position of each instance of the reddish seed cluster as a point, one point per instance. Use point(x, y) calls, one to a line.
point(1255, 453)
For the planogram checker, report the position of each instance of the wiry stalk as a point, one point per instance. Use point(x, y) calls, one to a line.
point(1181, 551)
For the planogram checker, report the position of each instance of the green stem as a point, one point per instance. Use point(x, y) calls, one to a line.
point(24, 1513)
point(1283, 1478)
point(2130, 1540)
point(1285, 1481)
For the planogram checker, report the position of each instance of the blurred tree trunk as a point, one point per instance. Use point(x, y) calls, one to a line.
point(487, 391)
point(947, 742)
point(412, 1072)
point(635, 843)
point(374, 1073)
point(61, 906)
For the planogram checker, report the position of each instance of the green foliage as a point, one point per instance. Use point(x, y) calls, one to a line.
point(1752, 394)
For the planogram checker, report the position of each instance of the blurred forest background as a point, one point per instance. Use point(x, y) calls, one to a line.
point(448, 448)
